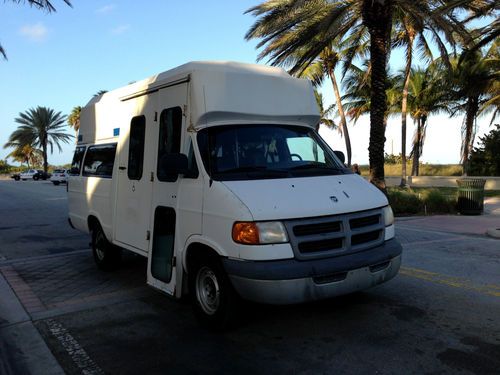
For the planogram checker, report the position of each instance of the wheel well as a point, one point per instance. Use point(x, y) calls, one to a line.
point(93, 222)
point(197, 251)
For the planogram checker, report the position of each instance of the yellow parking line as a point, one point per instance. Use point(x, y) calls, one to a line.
point(455, 282)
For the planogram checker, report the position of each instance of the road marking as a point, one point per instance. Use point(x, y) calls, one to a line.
point(56, 199)
point(73, 348)
point(455, 282)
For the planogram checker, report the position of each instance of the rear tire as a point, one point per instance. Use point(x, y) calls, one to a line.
point(56, 182)
point(106, 256)
point(214, 300)
point(17, 178)
point(35, 178)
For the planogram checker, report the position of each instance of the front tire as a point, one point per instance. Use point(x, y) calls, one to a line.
point(35, 178)
point(55, 182)
point(106, 256)
point(17, 178)
point(213, 298)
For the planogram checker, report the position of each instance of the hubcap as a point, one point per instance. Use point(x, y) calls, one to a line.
point(207, 290)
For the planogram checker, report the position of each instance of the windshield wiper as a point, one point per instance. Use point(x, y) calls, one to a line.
point(259, 169)
point(315, 166)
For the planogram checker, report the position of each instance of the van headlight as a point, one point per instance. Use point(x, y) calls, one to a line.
point(388, 216)
point(259, 233)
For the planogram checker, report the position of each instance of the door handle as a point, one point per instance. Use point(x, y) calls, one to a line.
point(122, 168)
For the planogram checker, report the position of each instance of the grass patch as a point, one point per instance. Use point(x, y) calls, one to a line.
point(423, 201)
point(425, 169)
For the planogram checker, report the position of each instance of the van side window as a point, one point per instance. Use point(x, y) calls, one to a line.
point(136, 147)
point(169, 141)
point(99, 160)
point(192, 166)
point(76, 164)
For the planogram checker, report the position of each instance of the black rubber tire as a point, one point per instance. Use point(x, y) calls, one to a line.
point(35, 178)
point(226, 313)
point(17, 178)
point(106, 256)
point(56, 182)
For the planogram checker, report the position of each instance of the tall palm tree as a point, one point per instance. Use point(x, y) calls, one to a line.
point(427, 95)
point(45, 5)
point(288, 26)
point(324, 113)
point(316, 71)
point(74, 118)
point(40, 127)
point(475, 90)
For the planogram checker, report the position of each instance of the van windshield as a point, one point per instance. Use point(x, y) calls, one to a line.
point(242, 152)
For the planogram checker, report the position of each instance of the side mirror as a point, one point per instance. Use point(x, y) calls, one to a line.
point(173, 164)
point(340, 155)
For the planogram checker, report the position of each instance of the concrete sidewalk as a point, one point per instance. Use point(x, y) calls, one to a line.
point(477, 224)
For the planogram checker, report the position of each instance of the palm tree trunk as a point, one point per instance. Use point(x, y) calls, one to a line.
point(343, 122)
point(404, 103)
point(45, 159)
point(468, 136)
point(377, 16)
point(416, 148)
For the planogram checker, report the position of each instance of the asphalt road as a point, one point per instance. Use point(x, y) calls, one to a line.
point(441, 314)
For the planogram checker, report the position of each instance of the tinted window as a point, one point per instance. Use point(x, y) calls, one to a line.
point(99, 160)
point(169, 141)
point(76, 164)
point(136, 148)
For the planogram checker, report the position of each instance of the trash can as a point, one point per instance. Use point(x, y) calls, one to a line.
point(470, 196)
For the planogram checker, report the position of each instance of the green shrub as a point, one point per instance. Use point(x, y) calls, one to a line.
point(404, 202)
point(435, 202)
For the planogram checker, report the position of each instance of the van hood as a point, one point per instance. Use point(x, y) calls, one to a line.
point(275, 199)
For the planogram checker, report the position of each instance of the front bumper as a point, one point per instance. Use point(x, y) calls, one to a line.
point(293, 281)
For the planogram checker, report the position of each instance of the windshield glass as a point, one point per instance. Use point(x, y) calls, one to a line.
point(266, 151)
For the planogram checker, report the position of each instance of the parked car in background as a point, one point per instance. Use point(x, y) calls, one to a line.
point(35, 174)
point(59, 176)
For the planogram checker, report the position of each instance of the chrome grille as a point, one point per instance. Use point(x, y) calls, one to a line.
point(326, 236)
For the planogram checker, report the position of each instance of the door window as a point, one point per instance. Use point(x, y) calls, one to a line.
point(136, 147)
point(169, 140)
point(163, 244)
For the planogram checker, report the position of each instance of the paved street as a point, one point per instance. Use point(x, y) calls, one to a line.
point(59, 314)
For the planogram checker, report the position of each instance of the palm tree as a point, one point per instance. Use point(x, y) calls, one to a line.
point(323, 66)
point(26, 154)
point(288, 26)
point(40, 127)
point(427, 95)
point(324, 113)
point(475, 90)
point(39, 4)
point(74, 118)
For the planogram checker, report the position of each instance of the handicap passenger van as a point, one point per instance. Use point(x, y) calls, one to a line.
point(215, 172)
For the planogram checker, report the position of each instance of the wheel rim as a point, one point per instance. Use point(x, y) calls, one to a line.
point(208, 290)
point(98, 246)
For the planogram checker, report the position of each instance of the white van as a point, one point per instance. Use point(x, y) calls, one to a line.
point(214, 171)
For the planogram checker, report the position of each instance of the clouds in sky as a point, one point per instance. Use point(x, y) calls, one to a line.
point(105, 9)
point(120, 29)
point(36, 33)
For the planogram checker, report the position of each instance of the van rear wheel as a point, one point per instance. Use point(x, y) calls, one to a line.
point(213, 298)
point(106, 255)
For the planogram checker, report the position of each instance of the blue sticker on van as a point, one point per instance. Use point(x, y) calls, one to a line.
point(116, 132)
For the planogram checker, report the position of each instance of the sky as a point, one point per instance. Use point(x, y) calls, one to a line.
point(60, 60)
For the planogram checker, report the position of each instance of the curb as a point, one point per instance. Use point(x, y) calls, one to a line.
point(23, 350)
point(493, 232)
